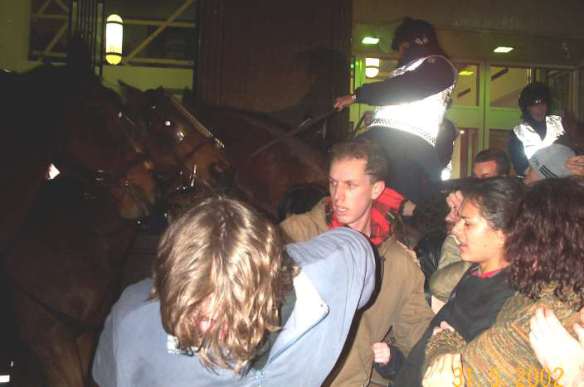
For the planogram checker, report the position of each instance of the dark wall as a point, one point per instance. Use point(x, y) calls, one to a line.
point(289, 59)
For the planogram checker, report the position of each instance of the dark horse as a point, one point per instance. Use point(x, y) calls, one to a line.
point(181, 148)
point(64, 259)
point(264, 176)
point(53, 115)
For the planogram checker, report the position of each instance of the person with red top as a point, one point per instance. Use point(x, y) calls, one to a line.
point(485, 219)
point(360, 200)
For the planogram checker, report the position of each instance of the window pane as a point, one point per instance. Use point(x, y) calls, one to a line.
point(506, 85)
point(466, 92)
point(559, 83)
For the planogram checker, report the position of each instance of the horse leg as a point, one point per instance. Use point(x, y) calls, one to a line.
point(86, 344)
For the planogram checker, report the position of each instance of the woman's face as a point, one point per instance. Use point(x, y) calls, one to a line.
point(478, 241)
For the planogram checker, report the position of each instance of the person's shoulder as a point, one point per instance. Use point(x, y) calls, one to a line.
point(437, 59)
point(554, 120)
point(394, 250)
point(439, 64)
point(329, 245)
point(302, 227)
point(401, 261)
point(133, 298)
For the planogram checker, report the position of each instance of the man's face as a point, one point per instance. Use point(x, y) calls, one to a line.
point(352, 193)
point(485, 169)
point(538, 111)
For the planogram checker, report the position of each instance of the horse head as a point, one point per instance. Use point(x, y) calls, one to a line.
point(184, 151)
point(100, 152)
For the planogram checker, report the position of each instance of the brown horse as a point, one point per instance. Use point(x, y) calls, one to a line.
point(265, 176)
point(53, 116)
point(181, 148)
point(65, 262)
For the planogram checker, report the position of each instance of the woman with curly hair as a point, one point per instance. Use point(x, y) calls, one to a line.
point(546, 250)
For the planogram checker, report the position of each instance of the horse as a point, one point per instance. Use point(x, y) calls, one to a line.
point(264, 174)
point(46, 118)
point(182, 149)
point(64, 263)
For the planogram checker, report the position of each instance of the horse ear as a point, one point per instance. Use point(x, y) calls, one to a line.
point(132, 95)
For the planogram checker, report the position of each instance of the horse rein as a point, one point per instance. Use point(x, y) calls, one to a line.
point(108, 179)
point(302, 127)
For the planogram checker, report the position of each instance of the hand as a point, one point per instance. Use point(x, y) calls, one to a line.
point(344, 101)
point(445, 371)
point(381, 353)
point(575, 165)
point(444, 326)
point(454, 201)
point(555, 348)
point(408, 208)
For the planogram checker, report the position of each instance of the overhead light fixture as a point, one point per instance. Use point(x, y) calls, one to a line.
point(372, 67)
point(370, 40)
point(371, 72)
point(372, 62)
point(465, 73)
point(503, 50)
point(114, 37)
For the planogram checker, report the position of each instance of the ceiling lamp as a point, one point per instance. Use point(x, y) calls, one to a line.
point(371, 72)
point(370, 40)
point(114, 37)
point(372, 67)
point(503, 50)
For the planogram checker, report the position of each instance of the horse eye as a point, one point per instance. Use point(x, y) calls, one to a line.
point(167, 123)
point(180, 136)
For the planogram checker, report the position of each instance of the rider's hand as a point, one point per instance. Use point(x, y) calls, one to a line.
point(344, 101)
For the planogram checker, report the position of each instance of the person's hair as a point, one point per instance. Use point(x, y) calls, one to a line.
point(376, 167)
point(497, 199)
point(546, 244)
point(421, 37)
point(223, 262)
point(498, 156)
point(411, 29)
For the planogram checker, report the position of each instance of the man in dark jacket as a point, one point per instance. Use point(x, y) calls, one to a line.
point(412, 103)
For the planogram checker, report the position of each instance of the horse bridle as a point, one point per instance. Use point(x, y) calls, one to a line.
point(108, 179)
point(182, 160)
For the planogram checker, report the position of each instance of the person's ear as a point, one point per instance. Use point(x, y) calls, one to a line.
point(378, 188)
point(501, 237)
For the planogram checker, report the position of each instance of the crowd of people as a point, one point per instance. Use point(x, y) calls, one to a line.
point(334, 296)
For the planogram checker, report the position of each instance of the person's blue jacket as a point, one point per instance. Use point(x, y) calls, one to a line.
point(337, 277)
